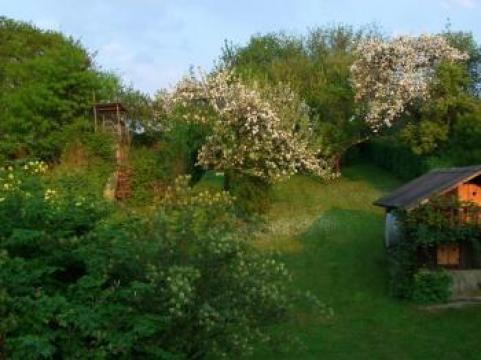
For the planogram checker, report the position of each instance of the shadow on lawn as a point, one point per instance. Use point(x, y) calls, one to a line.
point(343, 251)
point(378, 178)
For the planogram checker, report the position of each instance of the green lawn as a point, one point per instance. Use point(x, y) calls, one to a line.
point(331, 237)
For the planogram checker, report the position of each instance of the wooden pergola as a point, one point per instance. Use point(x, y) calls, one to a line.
point(112, 117)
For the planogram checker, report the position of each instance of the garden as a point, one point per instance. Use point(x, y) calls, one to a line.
point(248, 228)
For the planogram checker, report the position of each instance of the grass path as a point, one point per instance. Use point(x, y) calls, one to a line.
point(330, 236)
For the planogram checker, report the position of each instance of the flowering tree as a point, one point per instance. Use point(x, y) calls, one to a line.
point(248, 136)
point(390, 75)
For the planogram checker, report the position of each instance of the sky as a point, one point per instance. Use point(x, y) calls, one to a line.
point(152, 43)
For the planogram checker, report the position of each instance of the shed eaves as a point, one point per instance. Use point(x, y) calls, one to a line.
point(433, 183)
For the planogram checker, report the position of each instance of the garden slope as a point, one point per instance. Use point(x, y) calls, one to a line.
point(331, 237)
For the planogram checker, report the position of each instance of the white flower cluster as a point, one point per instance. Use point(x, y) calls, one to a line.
point(10, 177)
point(249, 136)
point(180, 284)
point(390, 75)
point(50, 195)
point(8, 182)
point(35, 167)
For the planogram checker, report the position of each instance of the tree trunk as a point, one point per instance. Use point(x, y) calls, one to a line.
point(227, 180)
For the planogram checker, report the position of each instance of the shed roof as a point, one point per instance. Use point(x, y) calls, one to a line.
point(433, 183)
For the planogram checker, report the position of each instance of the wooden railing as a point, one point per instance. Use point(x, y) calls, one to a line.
point(462, 214)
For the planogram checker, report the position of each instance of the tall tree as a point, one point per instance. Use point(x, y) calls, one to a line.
point(46, 83)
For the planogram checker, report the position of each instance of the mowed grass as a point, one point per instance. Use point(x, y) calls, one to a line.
point(331, 238)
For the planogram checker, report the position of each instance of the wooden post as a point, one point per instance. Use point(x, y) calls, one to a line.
point(95, 112)
point(119, 128)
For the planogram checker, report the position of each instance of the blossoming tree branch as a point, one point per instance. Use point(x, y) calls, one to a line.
point(388, 76)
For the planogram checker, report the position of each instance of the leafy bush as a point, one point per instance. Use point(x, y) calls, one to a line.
point(252, 195)
point(148, 171)
point(402, 267)
point(181, 284)
point(423, 229)
point(99, 145)
point(431, 286)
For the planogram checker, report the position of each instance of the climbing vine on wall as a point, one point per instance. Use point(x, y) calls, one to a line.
point(440, 222)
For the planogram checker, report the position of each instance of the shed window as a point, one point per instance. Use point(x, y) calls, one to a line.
point(448, 255)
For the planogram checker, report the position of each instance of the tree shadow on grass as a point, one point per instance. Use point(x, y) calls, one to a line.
point(378, 178)
point(343, 254)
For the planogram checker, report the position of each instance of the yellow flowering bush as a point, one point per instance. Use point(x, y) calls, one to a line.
point(11, 177)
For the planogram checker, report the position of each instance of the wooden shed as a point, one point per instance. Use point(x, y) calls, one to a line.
point(462, 184)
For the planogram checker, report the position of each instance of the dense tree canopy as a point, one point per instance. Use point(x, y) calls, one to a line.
point(317, 68)
point(434, 80)
point(46, 82)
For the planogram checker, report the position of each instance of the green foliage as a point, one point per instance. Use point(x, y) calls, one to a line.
point(425, 137)
point(464, 143)
point(423, 229)
point(389, 153)
point(252, 195)
point(99, 145)
point(402, 267)
point(139, 105)
point(466, 42)
point(77, 180)
point(149, 172)
point(431, 286)
point(182, 141)
point(442, 131)
point(46, 82)
point(85, 164)
point(435, 222)
point(317, 68)
point(429, 129)
point(75, 284)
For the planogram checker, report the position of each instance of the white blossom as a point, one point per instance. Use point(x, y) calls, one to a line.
point(389, 75)
point(249, 136)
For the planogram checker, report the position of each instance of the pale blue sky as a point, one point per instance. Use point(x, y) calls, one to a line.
point(151, 43)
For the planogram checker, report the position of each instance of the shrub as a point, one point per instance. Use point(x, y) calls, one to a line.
point(148, 170)
point(431, 286)
point(180, 284)
point(252, 195)
point(99, 145)
point(402, 267)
